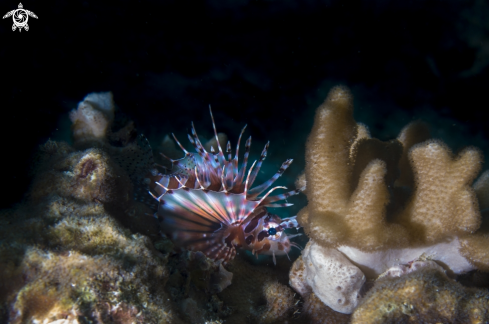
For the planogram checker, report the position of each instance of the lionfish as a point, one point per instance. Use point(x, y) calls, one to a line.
point(207, 204)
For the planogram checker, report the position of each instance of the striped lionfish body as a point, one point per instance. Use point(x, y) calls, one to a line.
point(207, 204)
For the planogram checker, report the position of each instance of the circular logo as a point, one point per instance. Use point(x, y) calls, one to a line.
point(20, 18)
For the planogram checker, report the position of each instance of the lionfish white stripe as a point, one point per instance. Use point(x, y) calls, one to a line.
point(220, 154)
point(180, 182)
point(197, 178)
point(162, 186)
point(181, 146)
point(222, 180)
point(153, 195)
point(270, 191)
point(248, 178)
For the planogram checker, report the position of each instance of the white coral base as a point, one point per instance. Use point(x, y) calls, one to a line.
point(337, 275)
point(373, 264)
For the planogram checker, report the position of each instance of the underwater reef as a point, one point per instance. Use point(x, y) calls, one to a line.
point(84, 247)
point(397, 234)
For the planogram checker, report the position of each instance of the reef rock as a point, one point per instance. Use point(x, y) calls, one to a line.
point(421, 294)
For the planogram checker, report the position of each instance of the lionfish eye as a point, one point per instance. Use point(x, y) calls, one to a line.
point(272, 231)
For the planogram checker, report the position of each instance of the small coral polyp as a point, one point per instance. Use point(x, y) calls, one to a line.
point(207, 204)
point(382, 204)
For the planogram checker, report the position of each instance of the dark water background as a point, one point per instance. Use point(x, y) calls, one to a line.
point(264, 63)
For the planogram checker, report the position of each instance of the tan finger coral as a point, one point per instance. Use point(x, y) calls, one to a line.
point(383, 204)
point(375, 196)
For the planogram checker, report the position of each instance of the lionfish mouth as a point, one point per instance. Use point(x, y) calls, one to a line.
point(206, 204)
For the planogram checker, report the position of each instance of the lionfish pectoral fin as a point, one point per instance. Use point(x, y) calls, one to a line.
point(202, 220)
point(195, 234)
point(219, 229)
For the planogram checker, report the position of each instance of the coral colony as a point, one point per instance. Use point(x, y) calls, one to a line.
point(396, 229)
point(364, 220)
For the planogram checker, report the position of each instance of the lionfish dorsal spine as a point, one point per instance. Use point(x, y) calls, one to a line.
point(220, 155)
point(254, 192)
point(269, 200)
point(228, 151)
point(197, 176)
point(263, 156)
point(244, 164)
point(270, 191)
point(248, 179)
point(179, 144)
point(228, 178)
point(236, 156)
point(198, 144)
